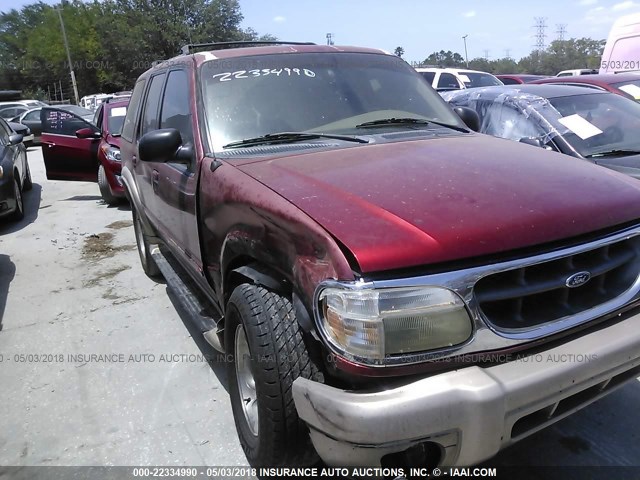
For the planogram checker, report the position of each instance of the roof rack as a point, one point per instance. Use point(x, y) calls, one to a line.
point(190, 48)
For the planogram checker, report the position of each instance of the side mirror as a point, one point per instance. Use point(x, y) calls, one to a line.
point(87, 133)
point(536, 142)
point(15, 138)
point(469, 117)
point(160, 146)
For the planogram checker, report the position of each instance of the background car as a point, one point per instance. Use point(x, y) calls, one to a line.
point(519, 78)
point(445, 79)
point(15, 177)
point(625, 84)
point(74, 148)
point(31, 118)
point(577, 71)
point(11, 112)
point(597, 126)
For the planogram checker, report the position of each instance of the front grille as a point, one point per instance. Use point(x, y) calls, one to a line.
point(534, 295)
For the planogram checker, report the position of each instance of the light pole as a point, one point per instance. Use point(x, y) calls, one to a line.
point(66, 46)
point(466, 58)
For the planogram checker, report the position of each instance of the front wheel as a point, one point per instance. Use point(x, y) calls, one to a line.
point(28, 183)
point(105, 190)
point(264, 340)
point(144, 248)
point(18, 214)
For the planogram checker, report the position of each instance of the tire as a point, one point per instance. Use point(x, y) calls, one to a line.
point(28, 184)
point(105, 190)
point(18, 214)
point(271, 433)
point(144, 248)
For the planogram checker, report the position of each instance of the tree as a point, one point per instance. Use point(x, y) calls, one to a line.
point(399, 51)
point(445, 59)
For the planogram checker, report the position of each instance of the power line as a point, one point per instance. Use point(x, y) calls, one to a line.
point(540, 35)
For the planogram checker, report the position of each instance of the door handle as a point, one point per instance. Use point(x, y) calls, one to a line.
point(155, 179)
point(134, 160)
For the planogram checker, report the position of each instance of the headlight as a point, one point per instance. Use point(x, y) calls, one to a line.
point(377, 323)
point(111, 153)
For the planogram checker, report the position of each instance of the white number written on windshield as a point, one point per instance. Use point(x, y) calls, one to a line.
point(285, 72)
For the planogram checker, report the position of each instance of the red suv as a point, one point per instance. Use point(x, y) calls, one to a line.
point(76, 149)
point(389, 287)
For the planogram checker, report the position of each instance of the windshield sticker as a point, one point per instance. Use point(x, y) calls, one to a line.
point(284, 72)
point(632, 90)
point(580, 126)
point(118, 112)
point(464, 78)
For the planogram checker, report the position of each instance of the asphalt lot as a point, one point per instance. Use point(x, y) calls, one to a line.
point(71, 286)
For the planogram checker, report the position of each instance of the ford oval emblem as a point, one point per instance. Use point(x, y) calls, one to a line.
point(577, 279)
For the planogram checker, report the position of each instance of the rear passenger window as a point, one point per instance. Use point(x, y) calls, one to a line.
point(448, 81)
point(132, 111)
point(150, 115)
point(428, 76)
point(175, 105)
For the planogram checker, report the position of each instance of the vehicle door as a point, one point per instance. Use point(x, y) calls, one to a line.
point(69, 146)
point(147, 175)
point(175, 189)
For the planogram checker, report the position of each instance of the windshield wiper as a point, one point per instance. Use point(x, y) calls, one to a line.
point(407, 121)
point(290, 137)
point(613, 153)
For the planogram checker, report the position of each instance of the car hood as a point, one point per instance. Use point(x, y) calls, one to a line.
point(404, 204)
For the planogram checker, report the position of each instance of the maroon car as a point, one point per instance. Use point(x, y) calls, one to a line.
point(388, 287)
point(76, 149)
point(519, 78)
point(625, 84)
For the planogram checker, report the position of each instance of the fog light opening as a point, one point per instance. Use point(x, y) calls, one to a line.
point(425, 454)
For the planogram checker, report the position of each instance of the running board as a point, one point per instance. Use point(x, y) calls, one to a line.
point(189, 302)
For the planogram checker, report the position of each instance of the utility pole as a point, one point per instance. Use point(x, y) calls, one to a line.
point(329, 38)
point(541, 27)
point(562, 30)
point(486, 55)
point(507, 54)
point(66, 46)
point(466, 57)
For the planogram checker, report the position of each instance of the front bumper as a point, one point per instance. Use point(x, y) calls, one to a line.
point(473, 412)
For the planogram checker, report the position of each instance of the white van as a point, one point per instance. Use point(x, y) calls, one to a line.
point(622, 51)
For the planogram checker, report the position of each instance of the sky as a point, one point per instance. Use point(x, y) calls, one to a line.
point(421, 27)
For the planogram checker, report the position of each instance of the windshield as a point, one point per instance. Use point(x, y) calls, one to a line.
point(319, 92)
point(116, 119)
point(599, 123)
point(631, 87)
point(476, 79)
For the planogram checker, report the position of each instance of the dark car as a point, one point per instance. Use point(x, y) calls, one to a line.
point(625, 84)
point(376, 273)
point(74, 148)
point(597, 126)
point(519, 78)
point(31, 118)
point(15, 176)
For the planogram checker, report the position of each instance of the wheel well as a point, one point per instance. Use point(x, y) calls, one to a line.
point(248, 270)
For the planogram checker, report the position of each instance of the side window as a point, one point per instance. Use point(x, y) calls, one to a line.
point(175, 105)
point(32, 116)
point(448, 81)
point(428, 76)
point(509, 81)
point(150, 114)
point(60, 122)
point(132, 112)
